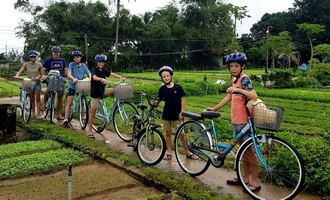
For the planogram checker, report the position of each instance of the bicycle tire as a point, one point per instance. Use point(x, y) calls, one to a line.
point(83, 112)
point(151, 147)
point(99, 123)
point(285, 174)
point(21, 98)
point(189, 136)
point(27, 108)
point(123, 127)
point(52, 107)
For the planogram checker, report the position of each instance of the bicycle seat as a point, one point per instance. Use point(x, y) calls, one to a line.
point(210, 114)
point(191, 115)
point(141, 106)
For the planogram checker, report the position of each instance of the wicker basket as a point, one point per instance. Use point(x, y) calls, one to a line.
point(28, 85)
point(83, 86)
point(123, 91)
point(267, 118)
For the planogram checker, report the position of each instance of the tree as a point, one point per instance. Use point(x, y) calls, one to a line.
point(279, 44)
point(322, 50)
point(312, 31)
point(239, 13)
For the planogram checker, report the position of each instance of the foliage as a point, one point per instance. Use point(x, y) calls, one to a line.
point(282, 79)
point(28, 147)
point(322, 50)
point(321, 72)
point(39, 163)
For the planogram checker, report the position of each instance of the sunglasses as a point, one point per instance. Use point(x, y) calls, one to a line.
point(33, 56)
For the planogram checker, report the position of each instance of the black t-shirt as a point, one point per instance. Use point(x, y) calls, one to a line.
point(97, 87)
point(172, 97)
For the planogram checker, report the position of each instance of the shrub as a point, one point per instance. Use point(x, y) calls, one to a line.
point(321, 72)
point(303, 81)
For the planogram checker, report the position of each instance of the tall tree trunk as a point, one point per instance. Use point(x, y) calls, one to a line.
point(312, 52)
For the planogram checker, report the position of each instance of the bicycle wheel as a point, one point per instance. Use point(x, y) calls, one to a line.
point(285, 173)
point(51, 107)
point(83, 112)
point(99, 122)
point(191, 136)
point(123, 120)
point(21, 99)
point(27, 108)
point(151, 147)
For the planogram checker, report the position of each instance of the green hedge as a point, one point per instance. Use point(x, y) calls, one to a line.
point(39, 163)
point(21, 148)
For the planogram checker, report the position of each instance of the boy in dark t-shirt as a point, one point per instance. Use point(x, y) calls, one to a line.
point(98, 90)
point(175, 104)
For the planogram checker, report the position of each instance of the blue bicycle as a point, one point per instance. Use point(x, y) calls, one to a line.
point(276, 163)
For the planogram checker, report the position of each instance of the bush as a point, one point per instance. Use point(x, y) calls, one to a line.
point(302, 81)
point(282, 79)
point(321, 72)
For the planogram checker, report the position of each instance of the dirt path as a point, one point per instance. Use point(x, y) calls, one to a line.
point(94, 181)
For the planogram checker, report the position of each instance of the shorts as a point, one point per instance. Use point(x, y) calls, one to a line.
point(71, 92)
point(95, 102)
point(169, 125)
point(37, 86)
point(237, 128)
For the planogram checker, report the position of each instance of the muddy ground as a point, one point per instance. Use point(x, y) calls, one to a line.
point(93, 181)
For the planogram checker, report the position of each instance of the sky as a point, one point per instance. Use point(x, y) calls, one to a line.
point(10, 18)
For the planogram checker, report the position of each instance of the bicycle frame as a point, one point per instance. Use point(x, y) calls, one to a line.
point(228, 147)
point(108, 113)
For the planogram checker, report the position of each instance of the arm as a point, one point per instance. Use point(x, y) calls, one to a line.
point(114, 75)
point(183, 107)
point(221, 104)
point(20, 71)
point(247, 89)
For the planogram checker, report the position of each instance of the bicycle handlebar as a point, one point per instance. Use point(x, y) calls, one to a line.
point(150, 99)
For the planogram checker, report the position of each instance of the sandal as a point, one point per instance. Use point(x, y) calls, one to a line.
point(192, 157)
point(253, 188)
point(233, 181)
point(167, 157)
point(60, 118)
point(91, 135)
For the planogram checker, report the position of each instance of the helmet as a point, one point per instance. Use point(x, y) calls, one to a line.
point(236, 57)
point(76, 53)
point(165, 68)
point(33, 53)
point(56, 49)
point(100, 58)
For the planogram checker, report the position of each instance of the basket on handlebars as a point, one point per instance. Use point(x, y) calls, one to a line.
point(123, 91)
point(83, 86)
point(55, 82)
point(28, 85)
point(267, 118)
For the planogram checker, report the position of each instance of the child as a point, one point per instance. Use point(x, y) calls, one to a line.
point(238, 94)
point(175, 104)
point(76, 71)
point(33, 72)
point(99, 81)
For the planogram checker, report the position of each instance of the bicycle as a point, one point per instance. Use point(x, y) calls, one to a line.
point(121, 112)
point(279, 166)
point(147, 140)
point(25, 101)
point(56, 83)
point(80, 100)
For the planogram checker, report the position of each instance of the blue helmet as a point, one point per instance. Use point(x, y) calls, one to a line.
point(33, 53)
point(76, 53)
point(165, 68)
point(236, 57)
point(56, 49)
point(100, 58)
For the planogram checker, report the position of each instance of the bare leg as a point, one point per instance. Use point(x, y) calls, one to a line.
point(90, 120)
point(68, 106)
point(169, 142)
point(37, 97)
point(59, 105)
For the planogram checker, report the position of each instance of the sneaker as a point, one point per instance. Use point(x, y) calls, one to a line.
point(66, 124)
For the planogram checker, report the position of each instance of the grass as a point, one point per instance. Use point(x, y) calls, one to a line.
point(9, 88)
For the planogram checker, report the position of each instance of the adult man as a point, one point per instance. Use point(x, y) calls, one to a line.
point(55, 62)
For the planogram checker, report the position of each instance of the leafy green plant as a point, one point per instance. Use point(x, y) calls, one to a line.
point(21, 148)
point(39, 163)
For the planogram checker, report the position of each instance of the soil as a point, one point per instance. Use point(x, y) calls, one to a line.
point(94, 181)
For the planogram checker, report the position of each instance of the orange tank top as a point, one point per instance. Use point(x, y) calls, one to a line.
point(238, 105)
